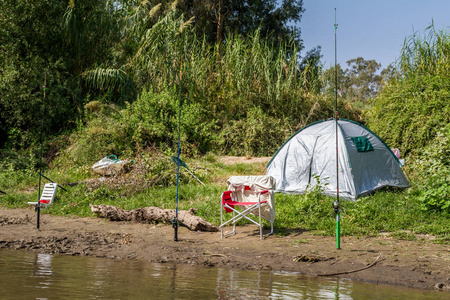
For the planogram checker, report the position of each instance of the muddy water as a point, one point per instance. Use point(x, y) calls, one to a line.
point(25, 275)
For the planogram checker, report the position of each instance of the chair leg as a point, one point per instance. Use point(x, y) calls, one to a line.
point(240, 215)
point(222, 224)
point(234, 225)
point(221, 220)
point(271, 230)
point(259, 213)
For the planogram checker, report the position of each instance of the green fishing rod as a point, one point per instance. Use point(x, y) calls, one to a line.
point(336, 205)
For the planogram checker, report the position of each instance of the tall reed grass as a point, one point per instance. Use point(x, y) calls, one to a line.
point(249, 95)
point(414, 105)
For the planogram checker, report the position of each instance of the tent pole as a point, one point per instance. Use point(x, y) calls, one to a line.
point(336, 205)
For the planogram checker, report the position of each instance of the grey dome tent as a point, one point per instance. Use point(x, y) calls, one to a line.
point(366, 163)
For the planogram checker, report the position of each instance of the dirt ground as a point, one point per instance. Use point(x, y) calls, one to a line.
point(229, 160)
point(375, 259)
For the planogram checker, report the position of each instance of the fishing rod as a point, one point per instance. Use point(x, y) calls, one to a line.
point(42, 175)
point(175, 219)
point(38, 205)
point(336, 205)
point(183, 164)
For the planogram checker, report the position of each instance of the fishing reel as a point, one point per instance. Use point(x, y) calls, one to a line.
point(336, 206)
point(174, 222)
point(37, 207)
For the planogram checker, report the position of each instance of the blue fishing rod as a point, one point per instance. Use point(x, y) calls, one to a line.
point(175, 219)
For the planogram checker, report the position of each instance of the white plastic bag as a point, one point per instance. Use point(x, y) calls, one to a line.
point(109, 165)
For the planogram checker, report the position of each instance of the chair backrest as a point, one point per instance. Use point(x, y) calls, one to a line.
point(227, 196)
point(247, 189)
point(48, 193)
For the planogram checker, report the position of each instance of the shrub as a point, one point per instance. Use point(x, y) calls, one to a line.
point(413, 105)
point(152, 120)
point(431, 169)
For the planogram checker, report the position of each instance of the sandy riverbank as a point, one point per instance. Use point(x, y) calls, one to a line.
point(420, 264)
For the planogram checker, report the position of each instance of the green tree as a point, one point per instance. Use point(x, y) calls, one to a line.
point(363, 82)
point(30, 48)
point(216, 18)
point(56, 41)
point(358, 83)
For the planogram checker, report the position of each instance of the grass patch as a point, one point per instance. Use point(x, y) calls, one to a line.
point(402, 235)
point(388, 211)
point(300, 241)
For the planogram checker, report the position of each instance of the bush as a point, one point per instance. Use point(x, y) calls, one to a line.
point(413, 105)
point(104, 135)
point(257, 134)
point(431, 169)
point(152, 120)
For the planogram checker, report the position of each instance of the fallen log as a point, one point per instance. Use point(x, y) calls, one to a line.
point(150, 215)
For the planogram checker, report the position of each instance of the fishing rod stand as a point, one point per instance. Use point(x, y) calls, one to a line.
point(37, 208)
point(174, 222)
point(337, 210)
point(40, 174)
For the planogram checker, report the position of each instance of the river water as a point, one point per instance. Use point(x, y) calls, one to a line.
point(25, 275)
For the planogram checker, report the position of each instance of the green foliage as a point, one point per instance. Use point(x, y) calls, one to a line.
point(49, 43)
point(102, 136)
point(151, 182)
point(363, 82)
point(271, 17)
point(213, 19)
point(357, 84)
point(109, 52)
point(152, 120)
point(431, 169)
point(252, 135)
point(415, 104)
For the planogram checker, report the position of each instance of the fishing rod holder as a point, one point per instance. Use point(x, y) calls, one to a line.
point(174, 222)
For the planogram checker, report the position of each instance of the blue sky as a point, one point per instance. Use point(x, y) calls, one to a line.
point(371, 29)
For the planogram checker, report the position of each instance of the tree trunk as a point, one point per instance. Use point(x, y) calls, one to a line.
point(220, 24)
point(153, 214)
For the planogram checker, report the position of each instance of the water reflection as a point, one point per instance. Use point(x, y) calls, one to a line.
point(26, 275)
point(43, 270)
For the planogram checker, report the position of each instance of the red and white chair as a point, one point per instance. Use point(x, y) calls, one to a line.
point(248, 195)
point(48, 194)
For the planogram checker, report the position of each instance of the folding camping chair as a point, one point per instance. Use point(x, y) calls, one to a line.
point(48, 194)
point(248, 195)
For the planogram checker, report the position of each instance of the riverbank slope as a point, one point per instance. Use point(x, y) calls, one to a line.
point(380, 259)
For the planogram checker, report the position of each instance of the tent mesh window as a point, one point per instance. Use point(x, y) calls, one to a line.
point(362, 143)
